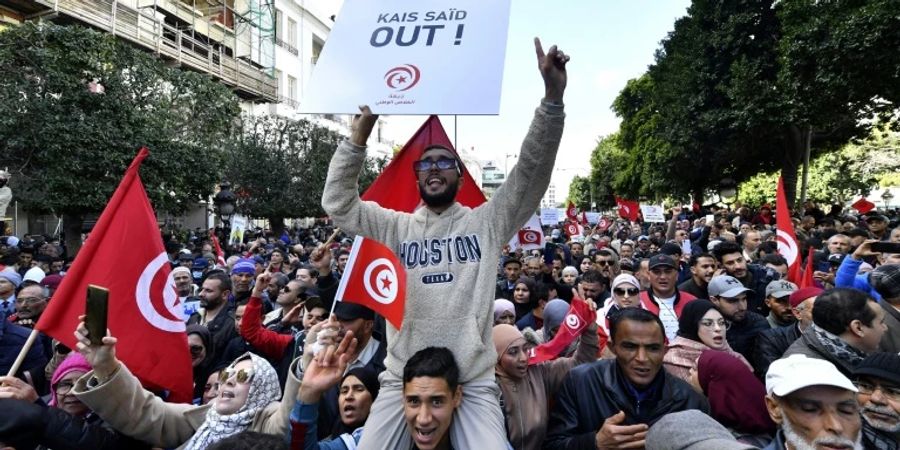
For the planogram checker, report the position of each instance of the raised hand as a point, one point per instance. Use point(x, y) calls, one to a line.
point(362, 126)
point(326, 369)
point(614, 435)
point(553, 68)
point(12, 387)
point(262, 282)
point(101, 357)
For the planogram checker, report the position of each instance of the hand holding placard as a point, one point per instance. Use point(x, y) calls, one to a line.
point(362, 126)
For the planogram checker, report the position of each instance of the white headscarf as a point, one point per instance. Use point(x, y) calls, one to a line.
point(264, 389)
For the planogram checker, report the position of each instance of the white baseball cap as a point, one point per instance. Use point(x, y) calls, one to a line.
point(796, 372)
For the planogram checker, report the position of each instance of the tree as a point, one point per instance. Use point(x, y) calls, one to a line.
point(747, 86)
point(68, 147)
point(610, 173)
point(580, 193)
point(279, 165)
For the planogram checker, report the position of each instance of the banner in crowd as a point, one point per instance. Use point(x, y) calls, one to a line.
point(788, 245)
point(628, 209)
point(399, 172)
point(863, 205)
point(593, 218)
point(412, 57)
point(374, 278)
point(530, 236)
point(549, 217)
point(144, 311)
point(238, 227)
point(653, 213)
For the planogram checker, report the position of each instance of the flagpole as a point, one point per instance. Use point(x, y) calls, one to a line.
point(455, 145)
point(22, 353)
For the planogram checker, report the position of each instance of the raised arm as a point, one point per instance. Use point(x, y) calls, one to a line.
point(269, 343)
point(521, 193)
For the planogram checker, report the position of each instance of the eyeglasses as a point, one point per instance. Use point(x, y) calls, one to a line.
point(709, 323)
point(865, 388)
point(63, 387)
point(196, 349)
point(28, 300)
point(424, 165)
point(242, 376)
point(630, 291)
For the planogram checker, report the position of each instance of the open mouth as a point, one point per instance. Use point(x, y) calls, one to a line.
point(226, 394)
point(425, 435)
point(434, 181)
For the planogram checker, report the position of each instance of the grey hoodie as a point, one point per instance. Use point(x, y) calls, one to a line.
point(450, 258)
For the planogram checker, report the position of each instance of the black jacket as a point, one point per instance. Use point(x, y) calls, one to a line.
point(593, 392)
point(742, 335)
point(808, 344)
point(29, 424)
point(758, 277)
point(771, 345)
point(691, 287)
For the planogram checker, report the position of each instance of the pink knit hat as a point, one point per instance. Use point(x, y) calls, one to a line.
point(75, 361)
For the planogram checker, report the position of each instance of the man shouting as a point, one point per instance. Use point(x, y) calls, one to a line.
point(450, 253)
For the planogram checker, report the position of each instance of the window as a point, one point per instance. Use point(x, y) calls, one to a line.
point(279, 19)
point(279, 86)
point(292, 88)
point(317, 48)
point(292, 33)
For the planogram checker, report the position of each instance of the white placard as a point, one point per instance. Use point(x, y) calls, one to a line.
point(238, 227)
point(412, 57)
point(534, 223)
point(549, 216)
point(653, 213)
point(593, 217)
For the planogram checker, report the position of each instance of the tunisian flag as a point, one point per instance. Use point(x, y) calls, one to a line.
point(374, 278)
point(572, 212)
point(124, 253)
point(577, 319)
point(787, 238)
point(396, 187)
point(628, 209)
point(220, 257)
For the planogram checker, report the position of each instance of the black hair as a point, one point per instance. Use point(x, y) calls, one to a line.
point(726, 248)
point(251, 440)
point(836, 308)
point(512, 260)
point(696, 258)
point(857, 232)
point(635, 315)
point(224, 280)
point(313, 302)
point(768, 247)
point(592, 276)
point(774, 259)
point(433, 362)
point(540, 291)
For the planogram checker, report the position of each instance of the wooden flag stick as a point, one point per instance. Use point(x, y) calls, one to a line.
point(23, 353)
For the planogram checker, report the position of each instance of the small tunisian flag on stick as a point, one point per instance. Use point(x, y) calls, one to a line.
point(628, 209)
point(144, 310)
point(572, 212)
point(220, 257)
point(787, 238)
point(384, 190)
point(577, 319)
point(375, 279)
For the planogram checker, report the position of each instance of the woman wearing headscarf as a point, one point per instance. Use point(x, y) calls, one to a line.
point(523, 297)
point(624, 293)
point(736, 397)
point(526, 389)
point(200, 344)
point(248, 399)
point(68, 424)
point(701, 327)
point(504, 312)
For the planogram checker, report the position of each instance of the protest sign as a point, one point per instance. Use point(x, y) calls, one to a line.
point(238, 227)
point(653, 213)
point(593, 218)
point(549, 216)
point(411, 57)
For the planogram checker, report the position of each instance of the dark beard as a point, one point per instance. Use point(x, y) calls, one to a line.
point(444, 199)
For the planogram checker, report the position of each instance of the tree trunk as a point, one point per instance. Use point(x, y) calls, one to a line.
point(794, 147)
point(697, 195)
point(277, 225)
point(72, 224)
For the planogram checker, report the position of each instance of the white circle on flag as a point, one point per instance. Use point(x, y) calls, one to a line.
point(626, 208)
point(380, 281)
point(787, 247)
point(143, 296)
point(531, 236)
point(572, 321)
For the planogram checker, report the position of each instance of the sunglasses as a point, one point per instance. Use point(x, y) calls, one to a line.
point(603, 263)
point(424, 165)
point(242, 376)
point(630, 291)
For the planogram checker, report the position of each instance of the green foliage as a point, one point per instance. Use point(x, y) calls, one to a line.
point(738, 86)
point(279, 165)
point(610, 173)
point(580, 193)
point(68, 148)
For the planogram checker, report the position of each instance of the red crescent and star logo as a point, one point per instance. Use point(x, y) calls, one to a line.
point(402, 78)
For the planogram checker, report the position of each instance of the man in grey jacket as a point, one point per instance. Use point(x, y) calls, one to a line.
point(450, 253)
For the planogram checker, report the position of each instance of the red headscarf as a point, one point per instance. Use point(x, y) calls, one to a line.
point(736, 397)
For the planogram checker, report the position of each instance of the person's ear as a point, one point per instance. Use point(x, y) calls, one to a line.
point(774, 410)
point(856, 327)
point(457, 396)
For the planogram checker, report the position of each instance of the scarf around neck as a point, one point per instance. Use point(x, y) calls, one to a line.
point(838, 347)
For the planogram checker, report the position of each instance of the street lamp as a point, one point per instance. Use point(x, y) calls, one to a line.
point(887, 196)
point(728, 191)
point(224, 202)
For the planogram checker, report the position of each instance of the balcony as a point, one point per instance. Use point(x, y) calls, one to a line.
point(175, 45)
point(287, 46)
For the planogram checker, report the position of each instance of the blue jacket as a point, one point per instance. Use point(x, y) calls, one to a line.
point(306, 416)
point(848, 275)
point(12, 338)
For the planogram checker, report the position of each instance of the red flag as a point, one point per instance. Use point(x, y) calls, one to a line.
point(603, 224)
point(530, 237)
point(572, 229)
point(577, 319)
point(220, 257)
point(384, 190)
point(572, 212)
point(787, 239)
point(584, 219)
point(375, 279)
point(863, 205)
point(144, 310)
point(807, 279)
point(628, 209)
